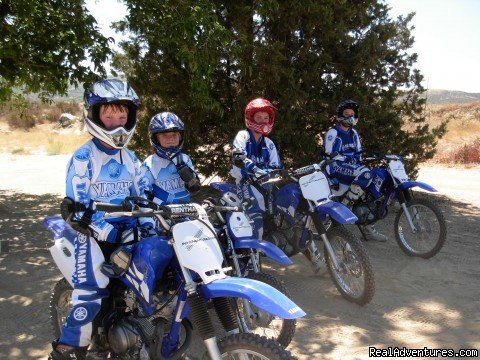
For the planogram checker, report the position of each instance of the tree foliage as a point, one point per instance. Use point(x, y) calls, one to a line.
point(204, 60)
point(45, 44)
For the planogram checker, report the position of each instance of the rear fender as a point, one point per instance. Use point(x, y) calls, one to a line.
point(258, 293)
point(337, 211)
point(271, 250)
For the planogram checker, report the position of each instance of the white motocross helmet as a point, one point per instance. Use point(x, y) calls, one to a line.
point(110, 91)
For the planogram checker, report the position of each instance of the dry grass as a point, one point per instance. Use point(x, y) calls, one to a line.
point(463, 130)
point(42, 138)
point(27, 127)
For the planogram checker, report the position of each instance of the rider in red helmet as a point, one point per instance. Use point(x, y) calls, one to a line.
point(256, 154)
point(260, 117)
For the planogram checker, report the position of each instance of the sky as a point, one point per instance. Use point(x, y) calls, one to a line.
point(447, 38)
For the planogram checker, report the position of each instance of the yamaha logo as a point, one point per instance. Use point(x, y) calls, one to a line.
point(80, 314)
point(81, 238)
point(113, 170)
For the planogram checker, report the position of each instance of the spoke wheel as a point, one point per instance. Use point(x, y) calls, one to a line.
point(354, 277)
point(60, 305)
point(252, 347)
point(430, 229)
point(265, 324)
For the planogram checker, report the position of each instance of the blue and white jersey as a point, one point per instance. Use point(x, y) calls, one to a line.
point(164, 181)
point(96, 173)
point(262, 154)
point(346, 143)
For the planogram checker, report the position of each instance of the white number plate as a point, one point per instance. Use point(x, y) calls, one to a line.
point(315, 186)
point(398, 170)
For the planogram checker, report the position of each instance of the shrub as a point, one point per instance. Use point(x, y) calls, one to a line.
point(70, 107)
point(53, 114)
point(468, 153)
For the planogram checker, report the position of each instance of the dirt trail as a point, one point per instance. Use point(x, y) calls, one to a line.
point(418, 303)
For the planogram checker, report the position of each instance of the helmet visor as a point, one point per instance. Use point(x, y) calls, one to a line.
point(119, 136)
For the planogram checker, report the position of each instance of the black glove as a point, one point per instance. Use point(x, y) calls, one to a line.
point(237, 158)
point(190, 178)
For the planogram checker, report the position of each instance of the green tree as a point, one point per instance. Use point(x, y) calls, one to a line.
point(205, 59)
point(46, 45)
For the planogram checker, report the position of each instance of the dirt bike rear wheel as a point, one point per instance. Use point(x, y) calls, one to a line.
point(60, 305)
point(354, 279)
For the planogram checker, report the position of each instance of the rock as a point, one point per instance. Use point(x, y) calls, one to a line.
point(66, 120)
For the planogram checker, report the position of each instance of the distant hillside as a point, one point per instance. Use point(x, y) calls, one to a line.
point(72, 95)
point(435, 96)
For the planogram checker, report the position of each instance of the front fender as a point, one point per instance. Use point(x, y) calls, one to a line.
point(409, 184)
point(337, 211)
point(271, 250)
point(258, 293)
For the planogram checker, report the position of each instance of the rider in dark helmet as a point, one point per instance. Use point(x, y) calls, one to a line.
point(343, 139)
point(171, 173)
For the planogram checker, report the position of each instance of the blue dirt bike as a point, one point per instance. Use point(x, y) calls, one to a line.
point(300, 215)
point(160, 287)
point(244, 253)
point(420, 228)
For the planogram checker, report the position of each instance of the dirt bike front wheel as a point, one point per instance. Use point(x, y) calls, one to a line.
point(429, 233)
point(264, 323)
point(60, 305)
point(252, 346)
point(354, 277)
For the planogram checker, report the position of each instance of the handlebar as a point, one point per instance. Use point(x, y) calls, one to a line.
point(140, 207)
point(387, 157)
point(218, 208)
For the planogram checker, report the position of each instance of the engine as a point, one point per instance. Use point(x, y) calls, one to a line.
point(130, 335)
point(364, 214)
point(284, 236)
point(368, 211)
point(280, 239)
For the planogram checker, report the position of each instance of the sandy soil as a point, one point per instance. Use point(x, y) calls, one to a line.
point(418, 303)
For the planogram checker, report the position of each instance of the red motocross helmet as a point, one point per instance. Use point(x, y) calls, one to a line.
point(255, 106)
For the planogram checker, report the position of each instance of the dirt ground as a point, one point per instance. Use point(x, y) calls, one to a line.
point(418, 303)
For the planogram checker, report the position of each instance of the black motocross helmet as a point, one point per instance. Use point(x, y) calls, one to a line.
point(348, 104)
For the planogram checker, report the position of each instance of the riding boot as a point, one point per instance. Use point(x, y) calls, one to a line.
point(97, 349)
point(352, 195)
point(317, 260)
point(61, 353)
point(372, 234)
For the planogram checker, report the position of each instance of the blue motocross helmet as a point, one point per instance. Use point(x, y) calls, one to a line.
point(110, 91)
point(161, 123)
point(348, 104)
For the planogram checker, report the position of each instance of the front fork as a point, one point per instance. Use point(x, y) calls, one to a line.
point(322, 232)
point(404, 196)
point(201, 318)
point(238, 271)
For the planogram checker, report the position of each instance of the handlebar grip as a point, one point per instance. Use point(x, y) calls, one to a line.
point(225, 208)
point(111, 207)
